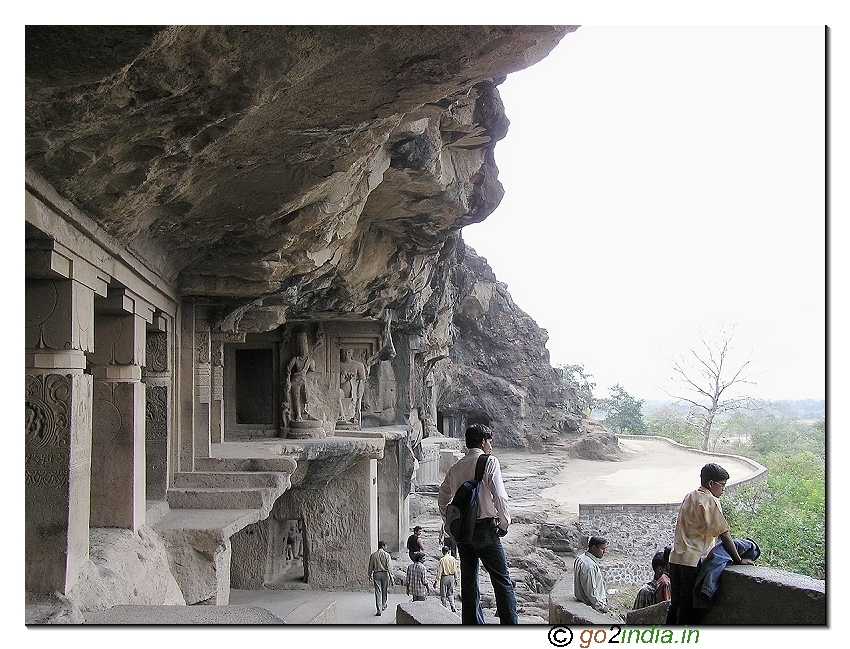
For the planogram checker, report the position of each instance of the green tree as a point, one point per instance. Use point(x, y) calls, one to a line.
point(578, 380)
point(673, 424)
point(785, 514)
point(623, 412)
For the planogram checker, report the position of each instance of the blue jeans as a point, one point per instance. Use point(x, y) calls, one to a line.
point(486, 546)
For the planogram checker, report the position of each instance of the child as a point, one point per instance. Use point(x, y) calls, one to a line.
point(657, 590)
point(699, 524)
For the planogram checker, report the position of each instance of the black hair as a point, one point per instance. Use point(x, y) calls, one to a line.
point(382, 544)
point(446, 549)
point(598, 541)
point(476, 434)
point(419, 556)
point(712, 473)
point(661, 558)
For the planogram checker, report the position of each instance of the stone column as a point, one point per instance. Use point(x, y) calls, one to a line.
point(203, 392)
point(158, 403)
point(118, 430)
point(217, 391)
point(59, 330)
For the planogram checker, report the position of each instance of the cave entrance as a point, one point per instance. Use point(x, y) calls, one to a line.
point(288, 555)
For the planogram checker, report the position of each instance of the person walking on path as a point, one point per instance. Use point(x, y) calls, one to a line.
point(494, 517)
point(700, 522)
point(417, 578)
point(446, 574)
point(415, 543)
point(380, 571)
point(588, 583)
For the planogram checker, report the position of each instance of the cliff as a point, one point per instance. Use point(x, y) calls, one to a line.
point(281, 174)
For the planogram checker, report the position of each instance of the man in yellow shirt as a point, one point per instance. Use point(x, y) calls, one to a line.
point(700, 522)
point(446, 575)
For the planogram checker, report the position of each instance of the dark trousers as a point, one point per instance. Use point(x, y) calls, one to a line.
point(682, 582)
point(486, 546)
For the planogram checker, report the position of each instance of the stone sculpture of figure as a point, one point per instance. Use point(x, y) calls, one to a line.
point(352, 384)
point(297, 398)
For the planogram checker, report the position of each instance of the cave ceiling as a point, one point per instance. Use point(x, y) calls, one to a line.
point(318, 169)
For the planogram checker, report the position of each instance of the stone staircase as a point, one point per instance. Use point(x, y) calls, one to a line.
point(227, 490)
point(233, 488)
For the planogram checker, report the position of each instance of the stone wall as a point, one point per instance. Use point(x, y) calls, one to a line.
point(429, 464)
point(747, 595)
point(636, 531)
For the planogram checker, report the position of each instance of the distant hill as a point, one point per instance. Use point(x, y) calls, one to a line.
point(809, 409)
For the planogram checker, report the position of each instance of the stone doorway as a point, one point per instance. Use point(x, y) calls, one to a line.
point(287, 554)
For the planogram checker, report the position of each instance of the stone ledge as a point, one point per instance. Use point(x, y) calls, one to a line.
point(757, 595)
point(428, 612)
point(564, 608)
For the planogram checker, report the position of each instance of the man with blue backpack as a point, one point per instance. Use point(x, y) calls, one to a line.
point(474, 506)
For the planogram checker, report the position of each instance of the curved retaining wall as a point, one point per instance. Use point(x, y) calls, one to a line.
point(636, 531)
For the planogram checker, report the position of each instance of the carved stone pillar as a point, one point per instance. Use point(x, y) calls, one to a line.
point(158, 403)
point(118, 428)
point(59, 330)
point(203, 391)
point(217, 391)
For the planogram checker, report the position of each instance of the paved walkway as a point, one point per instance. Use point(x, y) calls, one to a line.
point(652, 471)
point(351, 607)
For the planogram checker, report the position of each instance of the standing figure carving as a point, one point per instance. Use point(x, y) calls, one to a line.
point(352, 385)
point(296, 406)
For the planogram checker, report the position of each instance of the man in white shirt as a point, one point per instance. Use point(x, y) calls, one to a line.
point(588, 584)
point(494, 517)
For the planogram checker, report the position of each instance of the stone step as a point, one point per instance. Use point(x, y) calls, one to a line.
point(276, 464)
point(213, 498)
point(232, 479)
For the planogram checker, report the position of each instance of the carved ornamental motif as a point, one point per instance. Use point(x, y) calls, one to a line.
point(156, 412)
point(156, 351)
point(47, 429)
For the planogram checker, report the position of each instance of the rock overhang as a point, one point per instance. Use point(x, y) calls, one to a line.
point(257, 163)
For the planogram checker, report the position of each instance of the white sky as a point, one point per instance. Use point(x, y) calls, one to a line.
point(661, 179)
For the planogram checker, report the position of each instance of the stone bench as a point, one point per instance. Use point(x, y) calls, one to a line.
point(564, 608)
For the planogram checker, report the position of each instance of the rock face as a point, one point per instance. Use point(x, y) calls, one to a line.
point(306, 173)
point(232, 188)
point(498, 370)
point(314, 168)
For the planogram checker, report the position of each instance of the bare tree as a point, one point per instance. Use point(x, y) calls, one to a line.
point(710, 380)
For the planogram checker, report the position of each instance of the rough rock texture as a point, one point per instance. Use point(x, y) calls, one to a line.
point(498, 370)
point(306, 173)
point(277, 162)
point(598, 443)
point(125, 568)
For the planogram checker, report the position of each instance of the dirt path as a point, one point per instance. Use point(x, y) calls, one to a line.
point(652, 471)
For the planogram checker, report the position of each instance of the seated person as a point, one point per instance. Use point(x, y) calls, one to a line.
point(658, 589)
